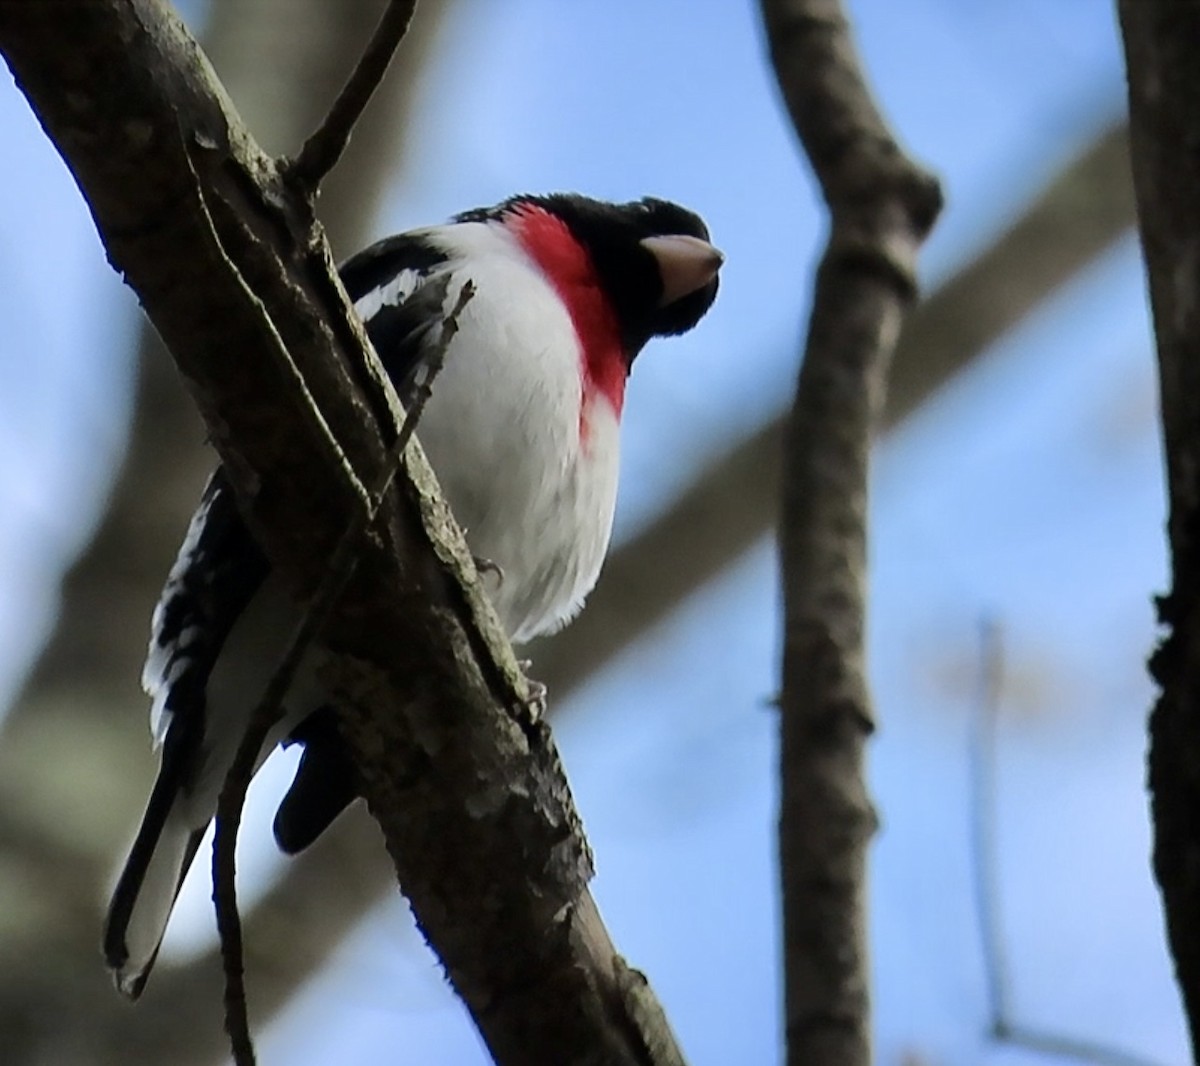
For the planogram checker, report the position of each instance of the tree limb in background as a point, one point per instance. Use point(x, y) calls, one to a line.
point(882, 206)
point(464, 782)
point(1163, 66)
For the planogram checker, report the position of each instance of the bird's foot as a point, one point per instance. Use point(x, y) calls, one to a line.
point(536, 691)
point(488, 566)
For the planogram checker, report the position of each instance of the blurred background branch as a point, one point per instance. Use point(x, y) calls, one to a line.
point(1004, 1025)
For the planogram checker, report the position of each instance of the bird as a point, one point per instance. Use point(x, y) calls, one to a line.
point(522, 430)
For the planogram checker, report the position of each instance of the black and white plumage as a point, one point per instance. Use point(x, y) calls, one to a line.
point(522, 430)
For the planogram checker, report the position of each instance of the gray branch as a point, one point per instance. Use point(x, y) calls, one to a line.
point(882, 206)
point(85, 682)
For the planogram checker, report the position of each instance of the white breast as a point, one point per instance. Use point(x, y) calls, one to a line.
point(534, 494)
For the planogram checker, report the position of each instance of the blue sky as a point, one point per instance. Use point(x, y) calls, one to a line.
point(1028, 492)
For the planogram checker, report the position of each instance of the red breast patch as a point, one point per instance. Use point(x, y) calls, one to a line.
point(568, 267)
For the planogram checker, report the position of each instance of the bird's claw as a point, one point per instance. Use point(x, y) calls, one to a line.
point(488, 566)
point(535, 693)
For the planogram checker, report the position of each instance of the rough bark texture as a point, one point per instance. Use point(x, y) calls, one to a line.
point(240, 285)
point(1162, 52)
point(66, 829)
point(882, 205)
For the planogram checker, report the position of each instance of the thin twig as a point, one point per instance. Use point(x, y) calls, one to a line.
point(267, 713)
point(325, 146)
point(1067, 1047)
point(982, 803)
point(985, 872)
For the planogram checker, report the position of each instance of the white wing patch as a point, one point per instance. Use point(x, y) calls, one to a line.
point(394, 293)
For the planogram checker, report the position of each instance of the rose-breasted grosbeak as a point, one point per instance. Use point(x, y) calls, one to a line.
point(522, 431)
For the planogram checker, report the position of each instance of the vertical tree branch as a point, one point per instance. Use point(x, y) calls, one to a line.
point(882, 205)
point(1163, 65)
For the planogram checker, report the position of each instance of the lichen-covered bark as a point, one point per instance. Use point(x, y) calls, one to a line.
point(1162, 52)
point(881, 205)
point(240, 285)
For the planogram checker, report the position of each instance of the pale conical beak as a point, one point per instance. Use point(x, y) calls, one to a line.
point(684, 263)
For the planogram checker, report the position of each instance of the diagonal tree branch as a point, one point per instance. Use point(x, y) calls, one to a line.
point(317, 158)
point(86, 681)
point(466, 786)
point(882, 206)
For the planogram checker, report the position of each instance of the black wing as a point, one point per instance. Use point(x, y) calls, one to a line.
point(219, 567)
point(389, 285)
point(217, 573)
point(218, 570)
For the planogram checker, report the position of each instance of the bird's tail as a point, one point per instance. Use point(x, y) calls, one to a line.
point(146, 891)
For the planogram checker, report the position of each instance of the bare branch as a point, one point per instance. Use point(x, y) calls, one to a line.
point(983, 823)
point(85, 682)
point(1067, 1048)
point(469, 792)
point(323, 149)
point(1164, 103)
point(882, 206)
point(985, 862)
